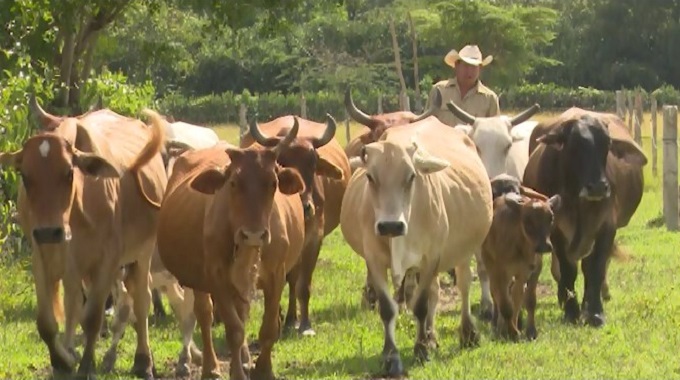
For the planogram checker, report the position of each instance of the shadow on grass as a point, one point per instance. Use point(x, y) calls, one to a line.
point(357, 367)
point(23, 312)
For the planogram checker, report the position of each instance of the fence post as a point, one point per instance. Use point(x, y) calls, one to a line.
point(242, 121)
point(347, 133)
point(638, 118)
point(654, 164)
point(621, 105)
point(631, 111)
point(380, 108)
point(303, 106)
point(670, 167)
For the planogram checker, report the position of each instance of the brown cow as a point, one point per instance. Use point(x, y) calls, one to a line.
point(592, 162)
point(319, 158)
point(231, 216)
point(519, 234)
point(89, 194)
point(375, 125)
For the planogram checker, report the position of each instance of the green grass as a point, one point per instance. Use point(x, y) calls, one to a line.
point(640, 339)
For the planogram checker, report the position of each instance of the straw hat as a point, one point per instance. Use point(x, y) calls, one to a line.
point(469, 54)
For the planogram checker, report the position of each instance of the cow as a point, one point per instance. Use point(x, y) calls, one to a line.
point(503, 144)
point(519, 234)
point(375, 125)
point(418, 204)
point(177, 140)
point(321, 161)
point(591, 161)
point(88, 200)
point(232, 219)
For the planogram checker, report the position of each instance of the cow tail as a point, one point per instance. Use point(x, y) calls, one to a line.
point(150, 150)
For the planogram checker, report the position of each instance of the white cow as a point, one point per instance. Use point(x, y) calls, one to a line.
point(503, 145)
point(418, 204)
point(180, 136)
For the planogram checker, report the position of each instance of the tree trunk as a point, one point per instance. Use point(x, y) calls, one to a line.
point(397, 63)
point(414, 37)
point(66, 67)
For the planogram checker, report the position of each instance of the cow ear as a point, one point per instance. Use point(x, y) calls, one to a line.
point(12, 159)
point(327, 169)
point(554, 139)
point(426, 163)
point(629, 152)
point(465, 128)
point(555, 203)
point(290, 181)
point(95, 165)
point(209, 181)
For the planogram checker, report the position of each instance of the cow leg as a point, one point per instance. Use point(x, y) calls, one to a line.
point(203, 309)
point(158, 309)
point(47, 293)
point(73, 306)
point(530, 299)
point(427, 287)
point(517, 300)
point(272, 287)
point(468, 332)
point(103, 280)
point(310, 255)
point(369, 297)
point(137, 282)
point(485, 304)
point(123, 305)
point(291, 315)
point(606, 296)
point(594, 270)
point(181, 302)
point(568, 272)
point(230, 310)
point(501, 297)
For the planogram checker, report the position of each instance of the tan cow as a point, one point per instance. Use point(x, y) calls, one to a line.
point(375, 125)
point(324, 167)
point(89, 197)
point(419, 204)
point(230, 217)
point(519, 235)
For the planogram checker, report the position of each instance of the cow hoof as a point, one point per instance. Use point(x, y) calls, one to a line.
point(182, 370)
point(595, 320)
point(571, 311)
point(531, 333)
point(262, 374)
point(420, 352)
point(214, 374)
point(394, 367)
point(308, 332)
point(142, 367)
point(468, 336)
point(109, 361)
point(305, 329)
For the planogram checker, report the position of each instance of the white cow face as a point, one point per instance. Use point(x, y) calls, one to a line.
point(393, 173)
point(494, 139)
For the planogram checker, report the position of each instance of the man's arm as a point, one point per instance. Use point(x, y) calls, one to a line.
point(430, 97)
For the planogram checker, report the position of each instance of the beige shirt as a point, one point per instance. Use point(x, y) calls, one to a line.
point(480, 101)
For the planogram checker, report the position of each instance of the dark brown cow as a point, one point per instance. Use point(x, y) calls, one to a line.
point(319, 158)
point(519, 234)
point(232, 219)
point(89, 197)
point(375, 125)
point(591, 161)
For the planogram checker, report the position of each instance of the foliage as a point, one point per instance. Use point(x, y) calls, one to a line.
point(117, 94)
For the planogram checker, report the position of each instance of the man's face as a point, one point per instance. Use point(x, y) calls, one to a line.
point(466, 74)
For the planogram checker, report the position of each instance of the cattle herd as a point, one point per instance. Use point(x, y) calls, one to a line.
point(113, 205)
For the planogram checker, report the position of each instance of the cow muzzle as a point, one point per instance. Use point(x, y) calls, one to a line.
point(251, 238)
point(595, 191)
point(51, 235)
point(391, 229)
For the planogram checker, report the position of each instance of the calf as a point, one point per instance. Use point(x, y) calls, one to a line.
point(519, 235)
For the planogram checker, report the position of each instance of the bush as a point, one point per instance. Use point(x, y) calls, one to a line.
point(117, 94)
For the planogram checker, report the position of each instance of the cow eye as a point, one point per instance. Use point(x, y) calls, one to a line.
point(410, 179)
point(69, 175)
point(370, 178)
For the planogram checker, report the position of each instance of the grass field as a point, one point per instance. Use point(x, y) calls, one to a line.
point(640, 340)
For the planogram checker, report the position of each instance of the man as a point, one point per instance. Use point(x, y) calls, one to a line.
point(466, 90)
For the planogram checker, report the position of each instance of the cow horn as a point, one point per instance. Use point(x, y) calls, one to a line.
point(259, 136)
point(434, 106)
point(328, 134)
point(525, 115)
point(37, 112)
point(355, 113)
point(290, 136)
point(459, 113)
